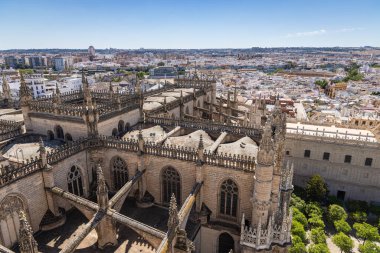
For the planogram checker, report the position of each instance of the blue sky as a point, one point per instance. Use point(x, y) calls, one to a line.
point(188, 23)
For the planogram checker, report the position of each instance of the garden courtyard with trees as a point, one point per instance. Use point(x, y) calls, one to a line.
point(322, 223)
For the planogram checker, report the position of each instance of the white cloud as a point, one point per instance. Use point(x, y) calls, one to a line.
point(323, 31)
point(307, 34)
point(353, 29)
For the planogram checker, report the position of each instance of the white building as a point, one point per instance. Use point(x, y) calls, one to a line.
point(36, 83)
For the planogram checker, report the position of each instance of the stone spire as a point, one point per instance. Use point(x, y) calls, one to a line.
point(6, 90)
point(57, 95)
point(266, 140)
point(26, 239)
point(43, 153)
point(86, 91)
point(102, 190)
point(173, 220)
point(200, 150)
point(25, 95)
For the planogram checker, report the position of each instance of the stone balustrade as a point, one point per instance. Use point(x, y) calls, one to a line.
point(10, 174)
point(263, 237)
point(9, 129)
point(217, 127)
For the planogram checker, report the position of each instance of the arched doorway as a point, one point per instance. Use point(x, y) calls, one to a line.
point(68, 137)
point(119, 171)
point(50, 135)
point(226, 243)
point(74, 181)
point(10, 208)
point(59, 132)
point(127, 126)
point(114, 132)
point(120, 126)
point(171, 183)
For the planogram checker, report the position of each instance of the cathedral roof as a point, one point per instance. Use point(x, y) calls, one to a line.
point(151, 134)
point(244, 146)
point(191, 140)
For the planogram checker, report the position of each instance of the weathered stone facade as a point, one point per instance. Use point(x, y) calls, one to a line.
point(241, 202)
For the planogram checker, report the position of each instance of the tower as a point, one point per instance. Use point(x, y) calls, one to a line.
point(261, 200)
point(6, 92)
point(25, 98)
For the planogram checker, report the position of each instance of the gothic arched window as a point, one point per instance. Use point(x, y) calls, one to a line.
point(59, 132)
point(228, 198)
point(10, 208)
point(74, 181)
point(120, 172)
point(171, 183)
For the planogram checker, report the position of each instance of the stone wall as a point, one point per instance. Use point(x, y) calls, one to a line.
point(105, 127)
point(43, 125)
point(31, 190)
point(61, 170)
point(357, 180)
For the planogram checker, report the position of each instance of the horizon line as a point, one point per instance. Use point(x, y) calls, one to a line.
point(206, 48)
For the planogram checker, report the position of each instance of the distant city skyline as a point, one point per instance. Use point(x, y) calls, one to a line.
point(170, 24)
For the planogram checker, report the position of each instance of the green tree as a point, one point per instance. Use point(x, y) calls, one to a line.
point(160, 64)
point(319, 248)
point(316, 188)
point(300, 217)
point(342, 226)
point(298, 203)
point(336, 212)
point(359, 216)
point(297, 245)
point(369, 247)
point(140, 75)
point(322, 83)
point(366, 231)
point(298, 230)
point(316, 222)
point(314, 209)
point(344, 242)
point(318, 235)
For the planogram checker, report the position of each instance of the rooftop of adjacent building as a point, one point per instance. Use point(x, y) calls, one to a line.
point(331, 132)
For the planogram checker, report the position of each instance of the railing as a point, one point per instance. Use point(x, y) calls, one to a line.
point(9, 174)
point(206, 125)
point(330, 137)
point(9, 129)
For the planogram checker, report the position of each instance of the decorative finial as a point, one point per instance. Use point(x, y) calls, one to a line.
point(200, 146)
point(173, 220)
point(27, 242)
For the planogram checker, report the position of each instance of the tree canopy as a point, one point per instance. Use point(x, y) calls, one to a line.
point(336, 212)
point(342, 226)
point(344, 242)
point(366, 231)
point(316, 188)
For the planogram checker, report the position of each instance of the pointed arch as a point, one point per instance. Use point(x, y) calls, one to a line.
point(171, 183)
point(59, 132)
point(10, 207)
point(120, 126)
point(74, 181)
point(119, 170)
point(225, 243)
point(228, 199)
point(50, 135)
point(68, 137)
